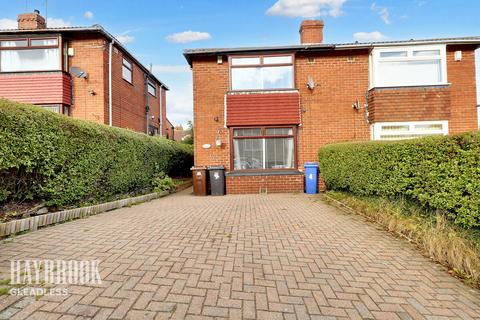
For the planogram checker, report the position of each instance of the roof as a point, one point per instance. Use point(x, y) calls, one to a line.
point(96, 28)
point(189, 53)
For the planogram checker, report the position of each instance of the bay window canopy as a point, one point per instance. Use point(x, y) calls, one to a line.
point(409, 66)
point(30, 54)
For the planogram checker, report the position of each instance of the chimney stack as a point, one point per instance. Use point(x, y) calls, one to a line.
point(311, 31)
point(30, 21)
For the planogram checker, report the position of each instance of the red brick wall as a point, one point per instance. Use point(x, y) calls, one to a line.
point(461, 75)
point(341, 78)
point(264, 184)
point(210, 83)
point(128, 98)
point(409, 104)
point(89, 93)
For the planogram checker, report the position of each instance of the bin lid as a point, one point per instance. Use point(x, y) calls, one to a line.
point(198, 168)
point(216, 168)
point(311, 165)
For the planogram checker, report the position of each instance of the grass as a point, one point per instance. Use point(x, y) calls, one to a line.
point(456, 248)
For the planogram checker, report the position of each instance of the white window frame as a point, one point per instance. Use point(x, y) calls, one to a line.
point(375, 58)
point(376, 129)
point(151, 85)
point(127, 64)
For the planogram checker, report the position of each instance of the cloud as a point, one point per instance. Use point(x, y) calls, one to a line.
point(306, 8)
point(57, 23)
point(382, 12)
point(188, 36)
point(125, 38)
point(8, 24)
point(180, 103)
point(88, 15)
point(369, 36)
point(170, 68)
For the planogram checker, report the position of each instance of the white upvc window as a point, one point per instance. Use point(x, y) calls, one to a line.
point(408, 130)
point(408, 66)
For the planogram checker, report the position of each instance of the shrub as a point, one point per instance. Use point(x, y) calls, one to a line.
point(63, 161)
point(162, 182)
point(438, 172)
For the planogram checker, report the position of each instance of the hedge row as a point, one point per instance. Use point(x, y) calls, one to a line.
point(438, 172)
point(64, 161)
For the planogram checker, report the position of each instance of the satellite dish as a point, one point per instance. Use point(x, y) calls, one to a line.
point(310, 83)
point(79, 73)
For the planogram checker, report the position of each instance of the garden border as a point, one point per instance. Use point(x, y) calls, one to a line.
point(33, 223)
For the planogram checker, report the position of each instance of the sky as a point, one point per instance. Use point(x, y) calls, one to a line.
point(157, 32)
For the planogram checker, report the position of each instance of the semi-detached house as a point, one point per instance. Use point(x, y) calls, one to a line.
point(262, 112)
point(83, 72)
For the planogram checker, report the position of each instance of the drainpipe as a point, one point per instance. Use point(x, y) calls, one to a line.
point(160, 125)
point(147, 103)
point(110, 52)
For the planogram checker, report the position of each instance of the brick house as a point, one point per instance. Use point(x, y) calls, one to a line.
point(81, 72)
point(262, 112)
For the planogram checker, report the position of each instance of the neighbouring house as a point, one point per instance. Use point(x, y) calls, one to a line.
point(83, 72)
point(262, 112)
point(180, 134)
point(169, 130)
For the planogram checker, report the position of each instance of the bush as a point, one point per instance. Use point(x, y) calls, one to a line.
point(63, 161)
point(161, 182)
point(437, 172)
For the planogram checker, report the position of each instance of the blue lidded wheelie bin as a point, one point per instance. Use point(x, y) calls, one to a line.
point(311, 177)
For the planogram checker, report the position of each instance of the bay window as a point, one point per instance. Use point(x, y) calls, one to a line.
point(408, 130)
point(409, 66)
point(262, 72)
point(20, 55)
point(263, 148)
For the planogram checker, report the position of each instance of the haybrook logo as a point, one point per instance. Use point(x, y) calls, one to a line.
point(54, 272)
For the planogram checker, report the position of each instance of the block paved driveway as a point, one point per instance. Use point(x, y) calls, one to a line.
point(246, 256)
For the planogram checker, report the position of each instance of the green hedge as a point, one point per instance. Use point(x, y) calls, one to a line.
point(64, 161)
point(437, 172)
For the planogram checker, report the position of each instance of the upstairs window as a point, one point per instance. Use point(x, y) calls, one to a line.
point(152, 88)
point(127, 70)
point(263, 148)
point(32, 54)
point(262, 72)
point(409, 66)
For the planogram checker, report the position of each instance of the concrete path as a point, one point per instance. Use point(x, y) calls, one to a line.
point(246, 256)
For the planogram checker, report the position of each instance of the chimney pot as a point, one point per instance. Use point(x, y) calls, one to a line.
point(30, 21)
point(311, 31)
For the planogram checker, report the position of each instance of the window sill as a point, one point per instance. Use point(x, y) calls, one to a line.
point(438, 85)
point(130, 83)
point(264, 173)
point(261, 91)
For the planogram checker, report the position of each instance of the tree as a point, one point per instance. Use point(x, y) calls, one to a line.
point(189, 137)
